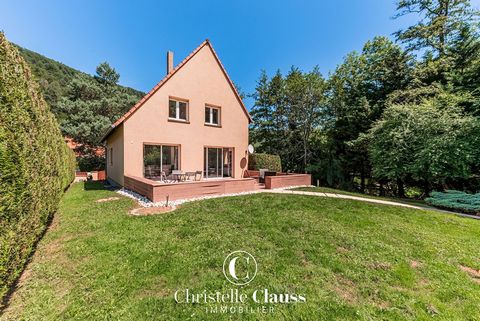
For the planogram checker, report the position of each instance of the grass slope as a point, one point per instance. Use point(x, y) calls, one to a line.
point(330, 190)
point(352, 260)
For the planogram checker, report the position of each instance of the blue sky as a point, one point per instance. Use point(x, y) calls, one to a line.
point(248, 35)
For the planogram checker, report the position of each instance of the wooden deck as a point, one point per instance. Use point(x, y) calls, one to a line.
point(158, 191)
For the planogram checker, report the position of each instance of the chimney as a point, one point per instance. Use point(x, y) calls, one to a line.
point(169, 61)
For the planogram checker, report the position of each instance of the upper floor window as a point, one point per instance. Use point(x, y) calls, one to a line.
point(178, 110)
point(212, 115)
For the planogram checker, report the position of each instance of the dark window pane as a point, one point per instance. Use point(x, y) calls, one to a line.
point(183, 111)
point(169, 159)
point(215, 116)
point(151, 160)
point(212, 162)
point(227, 162)
point(207, 115)
point(172, 109)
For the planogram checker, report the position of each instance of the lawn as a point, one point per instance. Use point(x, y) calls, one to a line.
point(351, 260)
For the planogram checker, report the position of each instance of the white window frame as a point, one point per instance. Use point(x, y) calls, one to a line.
point(210, 122)
point(177, 109)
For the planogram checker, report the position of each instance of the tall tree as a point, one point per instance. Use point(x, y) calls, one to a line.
point(440, 23)
point(359, 89)
point(107, 74)
point(92, 104)
point(286, 112)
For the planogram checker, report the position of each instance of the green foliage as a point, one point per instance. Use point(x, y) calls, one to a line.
point(456, 200)
point(388, 119)
point(264, 161)
point(106, 74)
point(91, 105)
point(424, 143)
point(89, 163)
point(35, 163)
point(360, 87)
point(286, 112)
point(84, 105)
point(440, 22)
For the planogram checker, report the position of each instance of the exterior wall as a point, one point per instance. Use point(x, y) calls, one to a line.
point(158, 192)
point(115, 170)
point(287, 180)
point(200, 81)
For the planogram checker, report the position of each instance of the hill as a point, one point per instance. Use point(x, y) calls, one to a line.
point(84, 105)
point(54, 77)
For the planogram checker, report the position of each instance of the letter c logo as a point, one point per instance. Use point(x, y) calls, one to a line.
point(247, 271)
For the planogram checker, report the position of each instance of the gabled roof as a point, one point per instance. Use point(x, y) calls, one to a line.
point(167, 77)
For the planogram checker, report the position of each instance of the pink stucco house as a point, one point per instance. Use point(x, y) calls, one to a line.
point(193, 120)
point(187, 137)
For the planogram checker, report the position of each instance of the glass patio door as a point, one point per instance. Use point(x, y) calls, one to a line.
point(218, 162)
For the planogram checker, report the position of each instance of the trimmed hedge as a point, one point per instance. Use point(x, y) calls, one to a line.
point(456, 200)
point(36, 166)
point(268, 161)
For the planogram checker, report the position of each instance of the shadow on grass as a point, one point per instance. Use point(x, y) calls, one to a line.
point(94, 186)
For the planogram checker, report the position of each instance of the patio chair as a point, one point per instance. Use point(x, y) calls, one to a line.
point(163, 177)
point(189, 175)
point(199, 174)
point(178, 175)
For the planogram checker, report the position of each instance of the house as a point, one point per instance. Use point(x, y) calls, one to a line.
point(193, 120)
point(188, 137)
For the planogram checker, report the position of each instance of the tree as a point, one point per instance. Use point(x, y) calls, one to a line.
point(92, 104)
point(359, 91)
point(424, 145)
point(106, 74)
point(440, 23)
point(286, 111)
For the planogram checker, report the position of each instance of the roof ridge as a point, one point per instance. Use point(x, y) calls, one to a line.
point(167, 77)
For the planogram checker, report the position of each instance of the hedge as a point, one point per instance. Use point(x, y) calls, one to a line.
point(268, 161)
point(36, 166)
point(456, 200)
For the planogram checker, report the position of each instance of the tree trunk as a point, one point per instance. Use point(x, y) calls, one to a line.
point(362, 180)
point(400, 188)
point(381, 189)
point(426, 187)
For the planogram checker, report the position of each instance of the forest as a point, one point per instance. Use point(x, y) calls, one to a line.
point(399, 118)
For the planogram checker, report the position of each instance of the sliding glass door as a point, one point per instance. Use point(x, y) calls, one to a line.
point(218, 162)
point(158, 159)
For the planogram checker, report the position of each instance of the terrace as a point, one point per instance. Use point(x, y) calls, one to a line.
point(179, 185)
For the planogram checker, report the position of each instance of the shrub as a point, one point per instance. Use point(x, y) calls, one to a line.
point(259, 161)
point(36, 165)
point(456, 200)
point(89, 163)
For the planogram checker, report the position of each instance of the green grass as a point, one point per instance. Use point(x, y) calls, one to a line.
point(351, 260)
point(342, 192)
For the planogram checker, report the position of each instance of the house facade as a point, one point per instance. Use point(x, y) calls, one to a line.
point(192, 121)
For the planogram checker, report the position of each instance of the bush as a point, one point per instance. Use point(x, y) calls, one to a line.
point(260, 161)
point(90, 163)
point(36, 165)
point(456, 200)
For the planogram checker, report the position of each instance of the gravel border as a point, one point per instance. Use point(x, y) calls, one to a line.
point(145, 202)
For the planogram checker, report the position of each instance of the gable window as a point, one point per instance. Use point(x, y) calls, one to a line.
point(178, 110)
point(212, 116)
